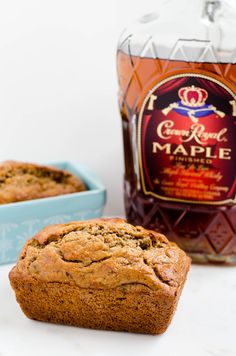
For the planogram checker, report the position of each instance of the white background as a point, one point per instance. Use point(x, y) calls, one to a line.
point(58, 83)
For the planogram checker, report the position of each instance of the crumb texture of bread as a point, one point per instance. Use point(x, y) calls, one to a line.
point(21, 181)
point(102, 273)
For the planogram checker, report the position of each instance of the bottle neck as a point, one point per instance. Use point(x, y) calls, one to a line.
point(210, 9)
point(193, 10)
point(190, 30)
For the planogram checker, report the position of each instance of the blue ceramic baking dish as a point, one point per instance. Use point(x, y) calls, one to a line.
point(20, 221)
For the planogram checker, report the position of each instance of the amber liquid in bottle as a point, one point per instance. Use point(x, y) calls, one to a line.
point(206, 232)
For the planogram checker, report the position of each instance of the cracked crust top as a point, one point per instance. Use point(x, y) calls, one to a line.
point(102, 254)
point(21, 181)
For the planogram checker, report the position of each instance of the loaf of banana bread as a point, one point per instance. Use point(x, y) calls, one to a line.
point(24, 181)
point(102, 274)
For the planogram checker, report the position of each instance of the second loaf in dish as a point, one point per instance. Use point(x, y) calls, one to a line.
point(21, 181)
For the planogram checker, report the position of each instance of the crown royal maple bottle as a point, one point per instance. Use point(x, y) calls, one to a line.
point(177, 77)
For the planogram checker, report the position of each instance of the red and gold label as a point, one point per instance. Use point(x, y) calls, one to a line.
point(187, 140)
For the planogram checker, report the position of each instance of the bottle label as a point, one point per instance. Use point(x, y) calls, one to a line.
point(187, 140)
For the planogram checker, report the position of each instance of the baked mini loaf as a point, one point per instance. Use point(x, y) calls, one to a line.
point(24, 181)
point(102, 274)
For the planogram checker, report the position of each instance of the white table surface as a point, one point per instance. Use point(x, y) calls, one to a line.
point(204, 325)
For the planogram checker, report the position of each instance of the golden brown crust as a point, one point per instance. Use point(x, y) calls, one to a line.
point(102, 259)
point(132, 308)
point(21, 181)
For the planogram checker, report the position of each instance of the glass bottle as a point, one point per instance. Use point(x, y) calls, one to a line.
point(177, 97)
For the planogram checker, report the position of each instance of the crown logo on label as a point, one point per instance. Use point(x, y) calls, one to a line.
point(192, 96)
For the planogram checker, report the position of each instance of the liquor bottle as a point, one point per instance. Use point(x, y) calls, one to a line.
point(177, 97)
